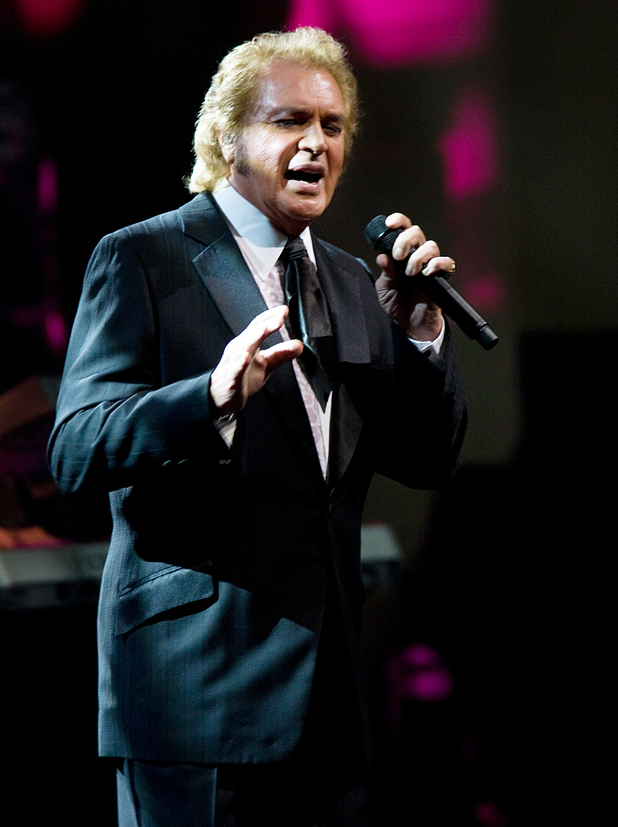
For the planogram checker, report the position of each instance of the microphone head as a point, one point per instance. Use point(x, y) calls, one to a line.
point(381, 237)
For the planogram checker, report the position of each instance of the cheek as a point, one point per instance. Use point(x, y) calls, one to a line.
point(339, 158)
point(268, 151)
point(266, 163)
point(267, 159)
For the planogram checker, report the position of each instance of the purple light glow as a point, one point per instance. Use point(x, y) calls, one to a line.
point(433, 685)
point(402, 32)
point(47, 186)
point(313, 13)
point(469, 146)
point(55, 330)
point(417, 673)
point(420, 655)
point(49, 17)
point(488, 291)
point(489, 815)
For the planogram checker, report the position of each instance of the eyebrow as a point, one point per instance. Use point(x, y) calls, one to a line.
point(334, 117)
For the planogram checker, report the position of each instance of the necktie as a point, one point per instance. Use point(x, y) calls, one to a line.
point(308, 318)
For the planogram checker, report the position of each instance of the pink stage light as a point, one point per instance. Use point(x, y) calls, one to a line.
point(469, 146)
point(486, 291)
point(488, 814)
point(418, 673)
point(46, 18)
point(318, 13)
point(56, 330)
point(402, 32)
point(47, 186)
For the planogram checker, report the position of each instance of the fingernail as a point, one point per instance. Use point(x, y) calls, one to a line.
point(397, 252)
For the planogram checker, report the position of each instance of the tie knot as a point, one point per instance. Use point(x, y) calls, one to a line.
point(294, 249)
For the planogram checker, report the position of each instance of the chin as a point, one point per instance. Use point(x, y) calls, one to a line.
point(310, 211)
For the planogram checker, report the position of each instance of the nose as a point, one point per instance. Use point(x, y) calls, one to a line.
point(313, 139)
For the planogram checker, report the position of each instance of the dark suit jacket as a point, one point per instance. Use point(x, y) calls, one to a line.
point(213, 593)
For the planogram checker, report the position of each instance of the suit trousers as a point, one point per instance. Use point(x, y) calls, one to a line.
point(322, 783)
point(238, 795)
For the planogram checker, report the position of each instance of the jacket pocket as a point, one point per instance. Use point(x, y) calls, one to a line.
point(163, 591)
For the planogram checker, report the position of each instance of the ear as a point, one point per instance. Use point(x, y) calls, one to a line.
point(228, 148)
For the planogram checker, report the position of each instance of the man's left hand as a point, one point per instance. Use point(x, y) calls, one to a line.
point(404, 302)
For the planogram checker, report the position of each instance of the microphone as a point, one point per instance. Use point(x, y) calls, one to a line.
point(382, 239)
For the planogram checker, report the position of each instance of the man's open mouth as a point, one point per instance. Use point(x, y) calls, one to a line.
point(304, 175)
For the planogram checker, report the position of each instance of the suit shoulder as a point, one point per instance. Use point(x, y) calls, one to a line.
point(153, 246)
point(148, 241)
point(149, 228)
point(198, 219)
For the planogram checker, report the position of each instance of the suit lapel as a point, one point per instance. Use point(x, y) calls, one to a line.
point(221, 265)
point(342, 290)
point(229, 281)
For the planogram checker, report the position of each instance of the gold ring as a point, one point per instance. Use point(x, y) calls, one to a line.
point(453, 268)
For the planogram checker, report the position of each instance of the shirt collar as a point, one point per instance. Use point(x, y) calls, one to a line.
point(260, 242)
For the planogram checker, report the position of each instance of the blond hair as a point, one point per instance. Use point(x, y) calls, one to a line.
point(234, 88)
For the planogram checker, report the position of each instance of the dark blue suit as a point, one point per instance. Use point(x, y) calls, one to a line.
point(213, 595)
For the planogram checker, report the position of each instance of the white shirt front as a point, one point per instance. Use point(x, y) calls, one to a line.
point(261, 245)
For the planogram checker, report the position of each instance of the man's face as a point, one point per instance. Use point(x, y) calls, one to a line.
point(288, 158)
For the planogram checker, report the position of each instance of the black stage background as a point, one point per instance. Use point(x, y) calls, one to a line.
point(506, 581)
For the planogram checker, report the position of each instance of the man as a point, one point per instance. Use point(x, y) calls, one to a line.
point(230, 686)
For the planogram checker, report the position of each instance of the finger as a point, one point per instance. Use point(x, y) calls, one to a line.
point(281, 354)
point(387, 266)
point(274, 315)
point(438, 265)
point(407, 242)
point(260, 329)
point(244, 348)
point(268, 322)
point(398, 219)
point(421, 256)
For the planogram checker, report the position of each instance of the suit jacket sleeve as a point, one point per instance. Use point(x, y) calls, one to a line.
point(424, 416)
point(115, 417)
point(134, 398)
point(412, 405)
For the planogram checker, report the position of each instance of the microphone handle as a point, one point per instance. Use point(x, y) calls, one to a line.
point(454, 305)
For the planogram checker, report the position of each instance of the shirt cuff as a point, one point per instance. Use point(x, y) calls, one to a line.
point(226, 426)
point(436, 344)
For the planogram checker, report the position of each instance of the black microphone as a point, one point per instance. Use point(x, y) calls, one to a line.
point(382, 239)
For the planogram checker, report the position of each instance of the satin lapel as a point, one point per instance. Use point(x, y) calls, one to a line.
point(342, 290)
point(345, 430)
point(343, 295)
point(221, 265)
point(229, 281)
point(227, 278)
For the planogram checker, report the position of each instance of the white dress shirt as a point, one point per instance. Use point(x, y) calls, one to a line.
point(261, 245)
